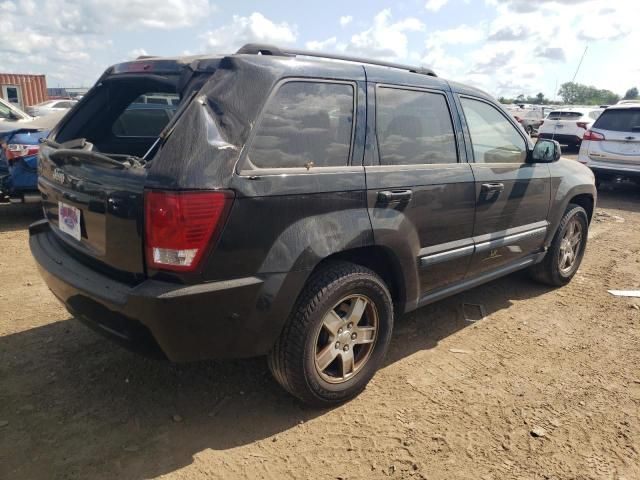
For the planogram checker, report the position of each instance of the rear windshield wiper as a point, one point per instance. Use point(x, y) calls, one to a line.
point(71, 144)
point(61, 155)
point(81, 149)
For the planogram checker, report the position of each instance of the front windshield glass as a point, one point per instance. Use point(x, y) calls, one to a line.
point(5, 112)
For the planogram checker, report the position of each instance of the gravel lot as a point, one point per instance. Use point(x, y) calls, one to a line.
point(546, 386)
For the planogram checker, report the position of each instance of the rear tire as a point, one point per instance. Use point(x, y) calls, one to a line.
point(324, 328)
point(565, 254)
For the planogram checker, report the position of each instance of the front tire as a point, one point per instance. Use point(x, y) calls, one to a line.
point(565, 254)
point(336, 337)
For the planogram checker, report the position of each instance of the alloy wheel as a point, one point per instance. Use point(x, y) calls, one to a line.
point(346, 338)
point(570, 246)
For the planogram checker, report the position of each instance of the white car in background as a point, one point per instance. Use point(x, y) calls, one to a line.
point(50, 106)
point(611, 148)
point(568, 125)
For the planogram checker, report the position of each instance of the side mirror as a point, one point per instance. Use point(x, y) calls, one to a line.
point(545, 151)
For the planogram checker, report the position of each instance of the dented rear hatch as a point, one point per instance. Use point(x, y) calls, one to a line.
point(92, 169)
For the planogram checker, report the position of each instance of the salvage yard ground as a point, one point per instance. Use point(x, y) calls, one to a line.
point(547, 386)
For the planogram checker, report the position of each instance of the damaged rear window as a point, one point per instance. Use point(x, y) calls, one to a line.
point(124, 115)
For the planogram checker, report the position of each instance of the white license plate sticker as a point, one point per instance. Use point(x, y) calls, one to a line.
point(69, 220)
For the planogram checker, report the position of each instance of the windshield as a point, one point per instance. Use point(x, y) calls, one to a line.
point(5, 112)
point(11, 112)
point(622, 120)
point(564, 115)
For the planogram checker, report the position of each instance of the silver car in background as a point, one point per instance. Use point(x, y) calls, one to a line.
point(50, 106)
point(611, 148)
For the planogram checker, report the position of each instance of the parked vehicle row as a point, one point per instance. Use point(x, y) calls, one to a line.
point(567, 125)
point(292, 207)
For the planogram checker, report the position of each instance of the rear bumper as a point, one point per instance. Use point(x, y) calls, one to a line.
point(604, 169)
point(565, 139)
point(225, 319)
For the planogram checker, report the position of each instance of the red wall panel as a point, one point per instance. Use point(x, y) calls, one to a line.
point(33, 87)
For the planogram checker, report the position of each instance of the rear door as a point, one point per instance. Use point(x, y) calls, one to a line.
point(421, 195)
point(621, 144)
point(512, 196)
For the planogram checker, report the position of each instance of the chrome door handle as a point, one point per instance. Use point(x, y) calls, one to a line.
point(389, 196)
point(492, 187)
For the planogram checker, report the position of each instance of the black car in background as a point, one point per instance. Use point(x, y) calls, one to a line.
point(293, 206)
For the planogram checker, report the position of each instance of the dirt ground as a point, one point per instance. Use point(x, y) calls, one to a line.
point(455, 399)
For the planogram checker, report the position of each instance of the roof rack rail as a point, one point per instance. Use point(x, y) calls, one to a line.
point(262, 49)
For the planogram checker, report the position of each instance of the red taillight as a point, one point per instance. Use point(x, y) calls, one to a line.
point(593, 136)
point(541, 123)
point(14, 151)
point(584, 125)
point(179, 226)
point(518, 119)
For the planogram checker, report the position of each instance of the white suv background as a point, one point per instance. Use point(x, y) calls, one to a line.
point(568, 125)
point(612, 147)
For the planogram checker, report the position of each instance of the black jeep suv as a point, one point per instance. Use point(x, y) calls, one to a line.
point(291, 204)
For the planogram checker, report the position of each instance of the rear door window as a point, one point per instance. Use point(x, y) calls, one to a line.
point(627, 120)
point(493, 137)
point(305, 124)
point(414, 127)
point(595, 114)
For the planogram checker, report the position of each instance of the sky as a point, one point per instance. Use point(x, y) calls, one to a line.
point(506, 47)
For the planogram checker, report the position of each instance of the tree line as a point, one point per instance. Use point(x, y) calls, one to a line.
point(573, 93)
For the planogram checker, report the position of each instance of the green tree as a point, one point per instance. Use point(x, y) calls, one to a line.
point(577, 93)
point(631, 94)
point(571, 92)
point(540, 100)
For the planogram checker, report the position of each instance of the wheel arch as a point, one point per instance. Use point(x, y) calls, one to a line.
point(383, 262)
point(586, 201)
